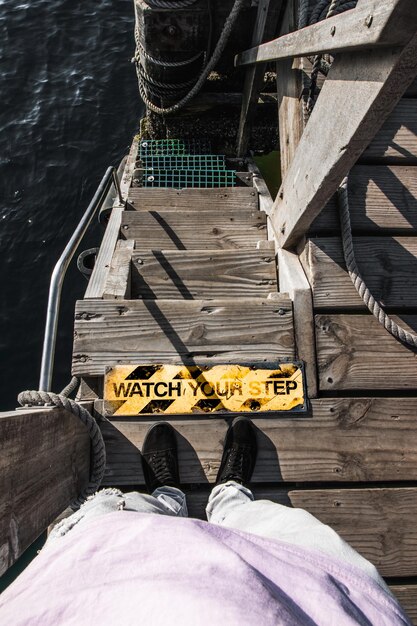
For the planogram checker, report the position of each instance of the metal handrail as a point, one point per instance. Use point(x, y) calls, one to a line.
point(60, 269)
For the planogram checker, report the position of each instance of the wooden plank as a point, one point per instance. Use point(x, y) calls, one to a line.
point(392, 23)
point(43, 466)
point(343, 440)
point(387, 264)
point(396, 142)
point(289, 89)
point(407, 597)
point(142, 199)
point(378, 523)
point(150, 331)
point(293, 281)
point(356, 352)
point(200, 275)
point(117, 285)
point(188, 230)
point(360, 92)
point(382, 200)
point(98, 278)
point(129, 167)
point(264, 28)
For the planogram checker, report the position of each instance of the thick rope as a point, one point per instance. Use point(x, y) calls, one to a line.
point(98, 463)
point(373, 305)
point(140, 50)
point(215, 58)
point(170, 4)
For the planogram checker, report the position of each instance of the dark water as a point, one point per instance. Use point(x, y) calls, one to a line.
point(69, 106)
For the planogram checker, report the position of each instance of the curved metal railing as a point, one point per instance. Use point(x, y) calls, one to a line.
point(60, 269)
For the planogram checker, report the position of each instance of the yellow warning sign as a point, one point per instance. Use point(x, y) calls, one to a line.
point(176, 389)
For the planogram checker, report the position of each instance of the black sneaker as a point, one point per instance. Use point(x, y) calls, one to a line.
point(160, 457)
point(239, 453)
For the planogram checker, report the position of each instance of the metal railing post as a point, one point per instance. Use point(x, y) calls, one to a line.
point(58, 275)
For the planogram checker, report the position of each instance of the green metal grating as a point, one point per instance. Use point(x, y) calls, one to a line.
point(188, 162)
point(173, 147)
point(179, 179)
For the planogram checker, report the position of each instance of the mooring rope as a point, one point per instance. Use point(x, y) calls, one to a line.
point(98, 450)
point(170, 4)
point(373, 305)
point(211, 64)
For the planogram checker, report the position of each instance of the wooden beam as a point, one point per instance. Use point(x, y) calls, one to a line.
point(117, 285)
point(293, 281)
point(291, 120)
point(342, 440)
point(189, 199)
point(407, 596)
point(371, 24)
point(44, 464)
point(265, 27)
point(358, 95)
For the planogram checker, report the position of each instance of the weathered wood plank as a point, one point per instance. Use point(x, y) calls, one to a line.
point(118, 279)
point(381, 198)
point(289, 89)
point(356, 352)
point(44, 465)
point(293, 281)
point(360, 91)
point(98, 278)
point(344, 440)
point(407, 596)
point(393, 24)
point(142, 199)
point(183, 230)
point(396, 142)
point(378, 523)
point(152, 331)
point(387, 264)
point(264, 29)
point(199, 275)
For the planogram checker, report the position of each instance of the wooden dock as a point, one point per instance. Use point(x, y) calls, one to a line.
point(231, 275)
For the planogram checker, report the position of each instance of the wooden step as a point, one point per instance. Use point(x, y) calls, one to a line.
point(186, 230)
point(388, 266)
point(381, 198)
point(396, 142)
point(356, 352)
point(241, 198)
point(195, 275)
point(214, 331)
point(341, 440)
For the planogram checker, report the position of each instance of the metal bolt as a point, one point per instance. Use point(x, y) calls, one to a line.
point(139, 261)
point(333, 31)
point(125, 227)
point(281, 311)
point(368, 21)
point(172, 30)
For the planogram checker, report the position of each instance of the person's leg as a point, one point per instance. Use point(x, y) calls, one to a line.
point(232, 504)
point(160, 469)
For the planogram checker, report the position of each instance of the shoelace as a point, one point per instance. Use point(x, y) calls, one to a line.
point(159, 463)
point(235, 461)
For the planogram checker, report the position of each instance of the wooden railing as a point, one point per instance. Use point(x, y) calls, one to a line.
point(359, 93)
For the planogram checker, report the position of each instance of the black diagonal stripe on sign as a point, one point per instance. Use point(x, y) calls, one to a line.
point(195, 371)
point(143, 372)
point(208, 405)
point(157, 406)
point(279, 374)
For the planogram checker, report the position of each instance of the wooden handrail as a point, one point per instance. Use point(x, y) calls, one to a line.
point(371, 24)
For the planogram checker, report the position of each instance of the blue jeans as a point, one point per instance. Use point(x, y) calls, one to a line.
point(231, 505)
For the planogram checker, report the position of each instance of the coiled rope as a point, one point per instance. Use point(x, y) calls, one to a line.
point(215, 58)
point(323, 10)
point(373, 305)
point(98, 450)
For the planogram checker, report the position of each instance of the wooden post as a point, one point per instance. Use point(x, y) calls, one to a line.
point(265, 27)
point(44, 465)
